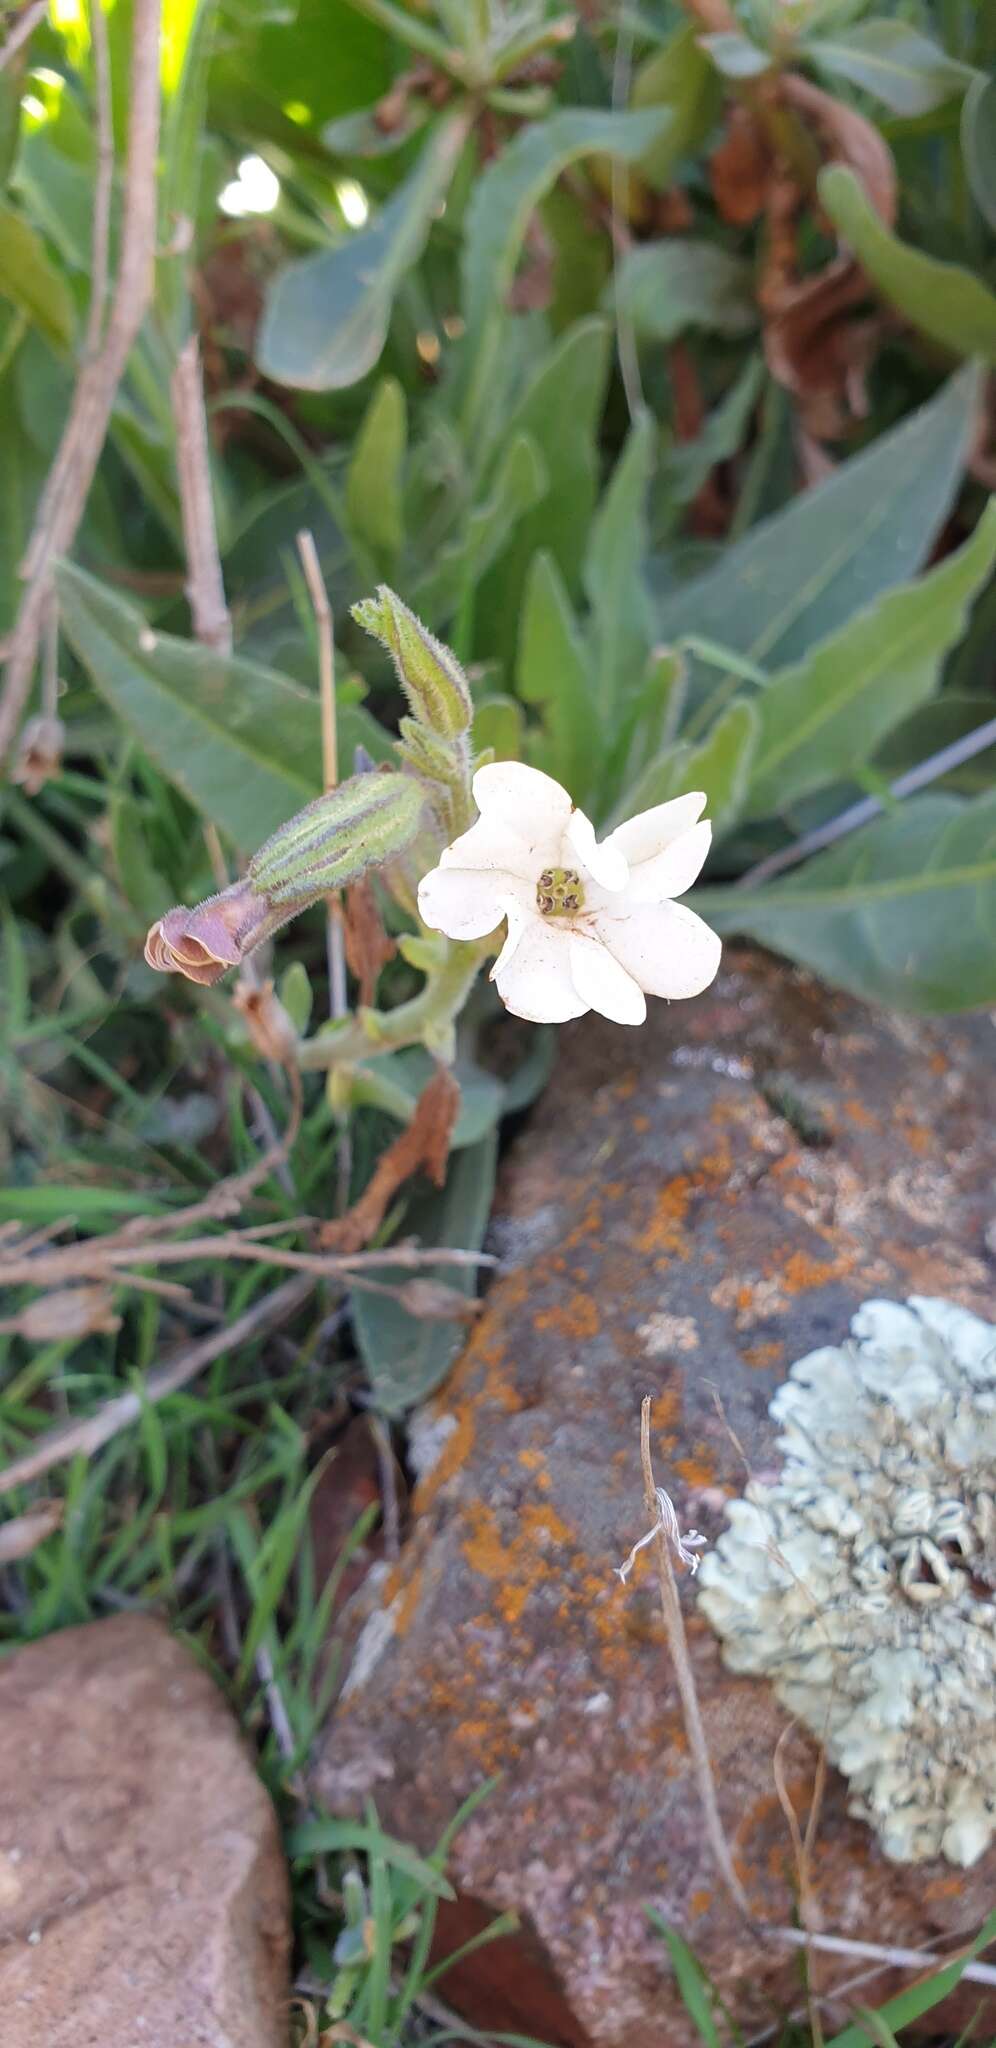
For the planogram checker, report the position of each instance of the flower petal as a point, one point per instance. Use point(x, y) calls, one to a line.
point(647, 834)
point(525, 801)
point(492, 844)
point(664, 946)
point(535, 980)
point(603, 983)
point(465, 903)
point(606, 863)
point(674, 870)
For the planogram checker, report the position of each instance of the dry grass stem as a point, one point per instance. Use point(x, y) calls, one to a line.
point(873, 1951)
point(205, 585)
point(674, 1626)
point(65, 495)
point(103, 190)
point(801, 1850)
point(24, 26)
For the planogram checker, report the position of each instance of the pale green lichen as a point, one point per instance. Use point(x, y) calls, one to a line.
point(863, 1582)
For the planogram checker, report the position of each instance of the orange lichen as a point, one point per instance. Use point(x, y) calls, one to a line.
point(918, 1138)
point(800, 1272)
point(409, 1601)
point(697, 1471)
point(699, 1903)
point(532, 1460)
point(666, 1230)
point(861, 1115)
point(763, 1356)
point(483, 1548)
point(454, 1454)
point(577, 1318)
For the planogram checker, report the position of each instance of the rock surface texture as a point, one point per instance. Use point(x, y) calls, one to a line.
point(693, 1206)
point(143, 1896)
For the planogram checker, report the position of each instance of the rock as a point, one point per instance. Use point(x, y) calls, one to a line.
point(143, 1895)
point(693, 1206)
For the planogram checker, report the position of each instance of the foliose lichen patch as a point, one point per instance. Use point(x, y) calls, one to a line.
point(863, 1582)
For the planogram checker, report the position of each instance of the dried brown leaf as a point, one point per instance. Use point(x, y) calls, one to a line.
point(368, 947)
point(845, 137)
point(23, 1535)
point(424, 1145)
point(433, 1301)
point(740, 168)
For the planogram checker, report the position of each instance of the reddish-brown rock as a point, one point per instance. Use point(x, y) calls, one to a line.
point(143, 1895)
point(693, 1206)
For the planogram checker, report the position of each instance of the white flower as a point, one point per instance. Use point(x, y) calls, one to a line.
point(590, 926)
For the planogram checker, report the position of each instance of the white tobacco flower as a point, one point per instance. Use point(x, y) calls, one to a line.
point(591, 926)
point(863, 1582)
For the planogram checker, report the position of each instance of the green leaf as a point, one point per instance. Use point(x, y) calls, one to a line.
point(408, 1073)
point(978, 144)
point(552, 671)
point(916, 1999)
point(720, 766)
point(686, 465)
point(406, 1357)
point(941, 299)
point(823, 719)
point(735, 55)
point(679, 77)
point(513, 185)
point(326, 318)
point(242, 742)
point(31, 282)
point(326, 1835)
point(518, 485)
point(692, 1981)
point(188, 44)
point(899, 66)
point(902, 912)
point(499, 727)
point(373, 483)
point(798, 576)
point(665, 287)
point(623, 623)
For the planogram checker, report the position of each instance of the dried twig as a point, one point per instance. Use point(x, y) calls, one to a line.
point(880, 1952)
point(205, 585)
point(68, 487)
point(93, 1431)
point(110, 1256)
point(24, 26)
point(802, 1846)
point(674, 1626)
point(100, 252)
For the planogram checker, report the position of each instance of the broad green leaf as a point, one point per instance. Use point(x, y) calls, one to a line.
point(552, 671)
point(374, 480)
point(519, 484)
point(499, 727)
point(735, 55)
point(664, 287)
point(686, 465)
point(326, 318)
point(242, 742)
point(908, 72)
point(978, 143)
point(943, 300)
point(513, 185)
point(31, 282)
point(902, 912)
point(407, 1073)
point(680, 77)
point(823, 719)
point(561, 411)
point(720, 765)
point(911, 2003)
point(22, 475)
point(622, 618)
point(945, 720)
point(406, 1357)
point(798, 576)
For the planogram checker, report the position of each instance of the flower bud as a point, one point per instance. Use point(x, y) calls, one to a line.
point(39, 755)
point(267, 1022)
point(431, 677)
point(365, 822)
point(203, 943)
point(424, 751)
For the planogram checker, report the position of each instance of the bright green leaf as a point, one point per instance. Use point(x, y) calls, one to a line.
point(326, 318)
point(908, 72)
point(824, 718)
point(374, 480)
point(680, 77)
point(665, 287)
point(499, 727)
point(552, 671)
point(943, 300)
point(31, 282)
point(902, 912)
point(518, 485)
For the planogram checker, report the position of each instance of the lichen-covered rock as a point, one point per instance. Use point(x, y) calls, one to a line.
point(693, 1207)
point(863, 1581)
point(143, 1894)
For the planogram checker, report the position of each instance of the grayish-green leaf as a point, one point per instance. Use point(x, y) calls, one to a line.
point(242, 742)
point(31, 282)
point(686, 465)
point(903, 912)
point(373, 484)
point(499, 727)
point(553, 672)
point(406, 1357)
point(720, 765)
point(515, 182)
point(735, 55)
point(518, 485)
point(665, 287)
point(679, 77)
point(904, 69)
point(978, 143)
point(797, 577)
point(822, 720)
point(943, 300)
point(326, 318)
point(622, 615)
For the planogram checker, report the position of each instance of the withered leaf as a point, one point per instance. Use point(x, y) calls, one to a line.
point(424, 1145)
point(368, 947)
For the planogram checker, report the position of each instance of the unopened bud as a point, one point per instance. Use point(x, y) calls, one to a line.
point(270, 1028)
point(431, 677)
point(68, 1314)
point(204, 943)
point(425, 751)
point(39, 755)
point(365, 822)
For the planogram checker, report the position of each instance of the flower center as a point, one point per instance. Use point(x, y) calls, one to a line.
point(559, 892)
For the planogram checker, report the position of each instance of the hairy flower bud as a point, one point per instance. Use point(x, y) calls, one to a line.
point(361, 824)
point(431, 677)
point(203, 943)
point(270, 1028)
